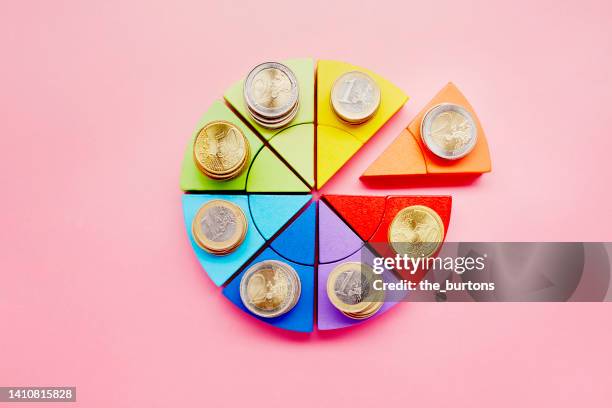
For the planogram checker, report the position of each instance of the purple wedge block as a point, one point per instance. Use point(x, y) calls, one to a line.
point(336, 239)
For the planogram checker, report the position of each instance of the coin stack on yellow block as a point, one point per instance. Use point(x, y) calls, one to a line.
point(271, 94)
point(355, 97)
point(270, 288)
point(221, 150)
point(350, 289)
point(416, 231)
point(219, 227)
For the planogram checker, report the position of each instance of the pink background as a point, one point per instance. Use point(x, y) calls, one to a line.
point(100, 289)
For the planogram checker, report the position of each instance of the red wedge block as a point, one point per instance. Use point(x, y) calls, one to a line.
point(363, 214)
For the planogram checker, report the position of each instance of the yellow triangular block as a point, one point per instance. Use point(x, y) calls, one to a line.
point(334, 148)
point(392, 99)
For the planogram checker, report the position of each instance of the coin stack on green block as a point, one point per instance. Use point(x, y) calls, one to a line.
point(220, 150)
point(272, 94)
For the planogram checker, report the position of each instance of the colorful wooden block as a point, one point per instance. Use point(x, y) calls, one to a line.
point(407, 154)
point(220, 268)
point(269, 174)
point(362, 213)
point(336, 239)
point(296, 146)
point(477, 161)
point(392, 99)
point(328, 317)
point(297, 241)
point(403, 157)
point(271, 212)
point(301, 317)
point(192, 179)
point(304, 70)
point(334, 148)
point(282, 163)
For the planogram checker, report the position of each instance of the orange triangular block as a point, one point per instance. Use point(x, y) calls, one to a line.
point(408, 156)
point(478, 161)
point(402, 157)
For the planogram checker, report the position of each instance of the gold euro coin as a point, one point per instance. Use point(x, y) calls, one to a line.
point(355, 97)
point(221, 151)
point(416, 231)
point(219, 227)
point(270, 288)
point(350, 289)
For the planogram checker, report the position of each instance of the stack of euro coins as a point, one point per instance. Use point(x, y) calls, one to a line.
point(270, 288)
point(272, 94)
point(351, 290)
point(219, 227)
point(449, 131)
point(221, 150)
point(355, 97)
point(416, 231)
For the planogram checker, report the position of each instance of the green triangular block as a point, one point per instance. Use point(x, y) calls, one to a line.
point(269, 174)
point(296, 146)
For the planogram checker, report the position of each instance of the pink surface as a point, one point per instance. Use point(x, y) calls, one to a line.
point(100, 289)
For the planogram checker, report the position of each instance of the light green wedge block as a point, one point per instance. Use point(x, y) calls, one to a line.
point(268, 174)
point(296, 146)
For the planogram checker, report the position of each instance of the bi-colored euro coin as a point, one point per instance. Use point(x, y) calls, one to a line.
point(219, 227)
point(355, 97)
point(220, 150)
point(416, 231)
point(270, 288)
point(449, 131)
point(350, 288)
point(271, 94)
